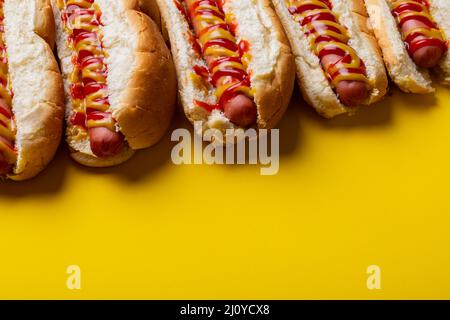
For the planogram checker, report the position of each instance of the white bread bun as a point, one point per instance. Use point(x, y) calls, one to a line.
point(150, 8)
point(271, 67)
point(38, 102)
point(313, 81)
point(402, 69)
point(141, 79)
point(440, 10)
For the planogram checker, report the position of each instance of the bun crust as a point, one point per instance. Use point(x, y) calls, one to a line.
point(148, 102)
point(44, 22)
point(272, 74)
point(273, 92)
point(150, 8)
point(440, 10)
point(402, 69)
point(141, 80)
point(313, 82)
point(37, 84)
point(94, 162)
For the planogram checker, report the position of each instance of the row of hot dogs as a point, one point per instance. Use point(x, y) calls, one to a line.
point(235, 61)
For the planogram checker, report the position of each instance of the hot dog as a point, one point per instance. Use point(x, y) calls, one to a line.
point(412, 35)
point(339, 66)
point(234, 64)
point(31, 95)
point(119, 78)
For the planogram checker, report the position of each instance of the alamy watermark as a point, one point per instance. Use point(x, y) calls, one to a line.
point(374, 277)
point(73, 281)
point(235, 146)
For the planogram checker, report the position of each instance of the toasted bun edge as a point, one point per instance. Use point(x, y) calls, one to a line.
point(38, 103)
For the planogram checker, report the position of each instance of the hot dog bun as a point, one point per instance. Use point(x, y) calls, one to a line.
point(402, 68)
point(150, 8)
point(440, 9)
point(313, 81)
point(270, 66)
point(141, 80)
point(38, 98)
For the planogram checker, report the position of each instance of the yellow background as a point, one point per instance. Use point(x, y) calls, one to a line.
point(351, 192)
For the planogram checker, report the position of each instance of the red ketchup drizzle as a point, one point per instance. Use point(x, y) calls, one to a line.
point(5, 112)
point(97, 115)
point(208, 107)
point(78, 119)
point(230, 45)
point(308, 7)
point(195, 44)
point(412, 43)
point(413, 46)
point(230, 93)
point(202, 72)
point(326, 16)
point(82, 60)
point(207, 73)
point(76, 91)
point(9, 144)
